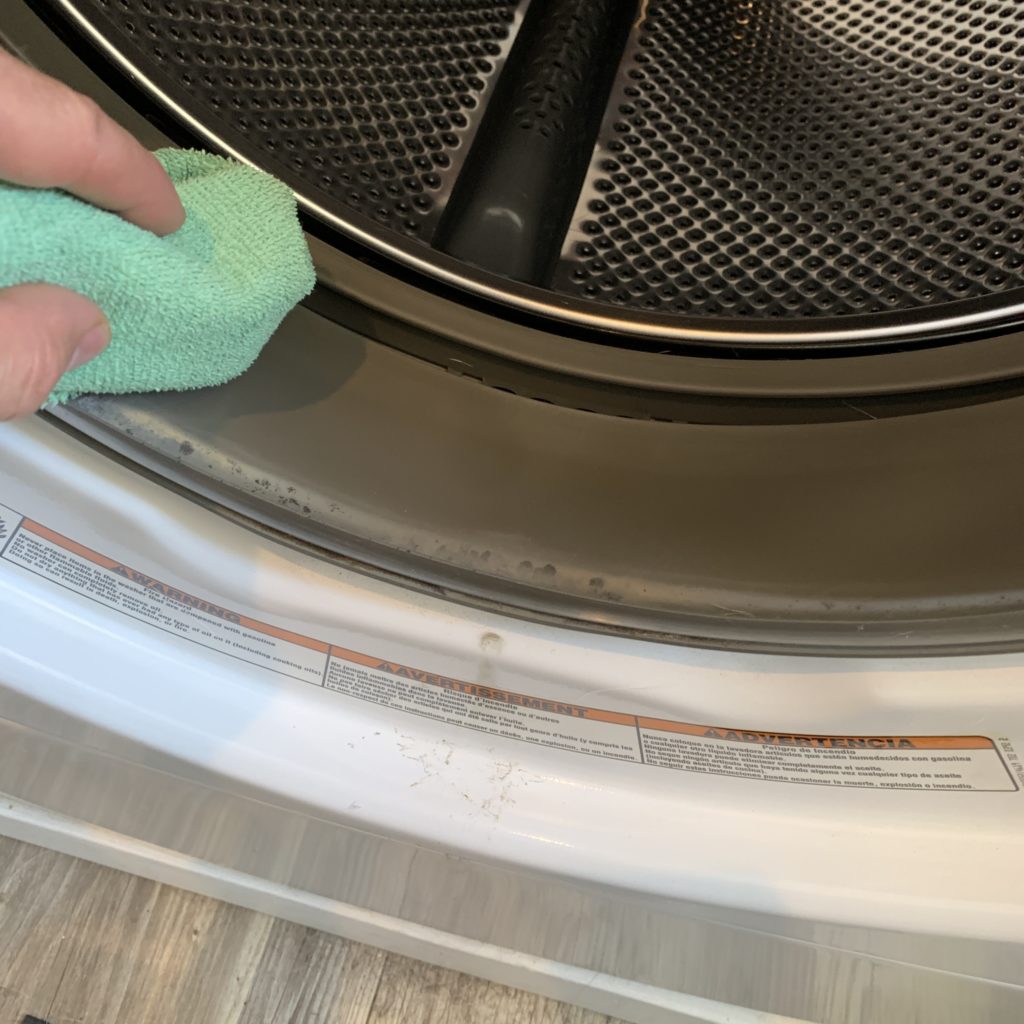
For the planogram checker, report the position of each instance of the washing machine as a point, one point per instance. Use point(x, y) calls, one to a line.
point(610, 580)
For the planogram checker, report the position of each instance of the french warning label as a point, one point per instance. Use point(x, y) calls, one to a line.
point(484, 708)
point(935, 763)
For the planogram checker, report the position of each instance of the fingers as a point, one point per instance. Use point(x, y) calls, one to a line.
point(55, 138)
point(44, 331)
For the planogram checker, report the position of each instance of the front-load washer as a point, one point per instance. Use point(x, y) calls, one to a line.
point(609, 580)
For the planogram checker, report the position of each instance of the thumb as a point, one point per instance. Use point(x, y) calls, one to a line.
point(44, 331)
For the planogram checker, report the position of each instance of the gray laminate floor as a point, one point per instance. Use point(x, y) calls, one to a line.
point(82, 944)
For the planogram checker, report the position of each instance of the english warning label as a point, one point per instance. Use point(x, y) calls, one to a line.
point(145, 599)
point(925, 763)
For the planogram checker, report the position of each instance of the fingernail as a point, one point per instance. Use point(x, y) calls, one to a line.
point(92, 343)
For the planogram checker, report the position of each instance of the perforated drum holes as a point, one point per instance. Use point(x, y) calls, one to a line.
point(805, 158)
point(366, 100)
point(760, 159)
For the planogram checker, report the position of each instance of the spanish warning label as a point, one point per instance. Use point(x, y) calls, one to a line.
point(926, 763)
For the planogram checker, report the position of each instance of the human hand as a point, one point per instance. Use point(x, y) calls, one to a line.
point(55, 138)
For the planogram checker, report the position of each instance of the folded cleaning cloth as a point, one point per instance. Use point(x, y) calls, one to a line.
point(189, 310)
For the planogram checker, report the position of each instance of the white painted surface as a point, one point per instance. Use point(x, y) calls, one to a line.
point(926, 863)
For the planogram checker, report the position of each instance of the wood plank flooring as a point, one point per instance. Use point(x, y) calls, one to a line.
point(83, 944)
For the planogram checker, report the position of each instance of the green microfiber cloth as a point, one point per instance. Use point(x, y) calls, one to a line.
point(189, 310)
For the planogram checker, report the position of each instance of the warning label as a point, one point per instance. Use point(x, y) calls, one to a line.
point(137, 595)
point(872, 762)
point(484, 708)
point(935, 763)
